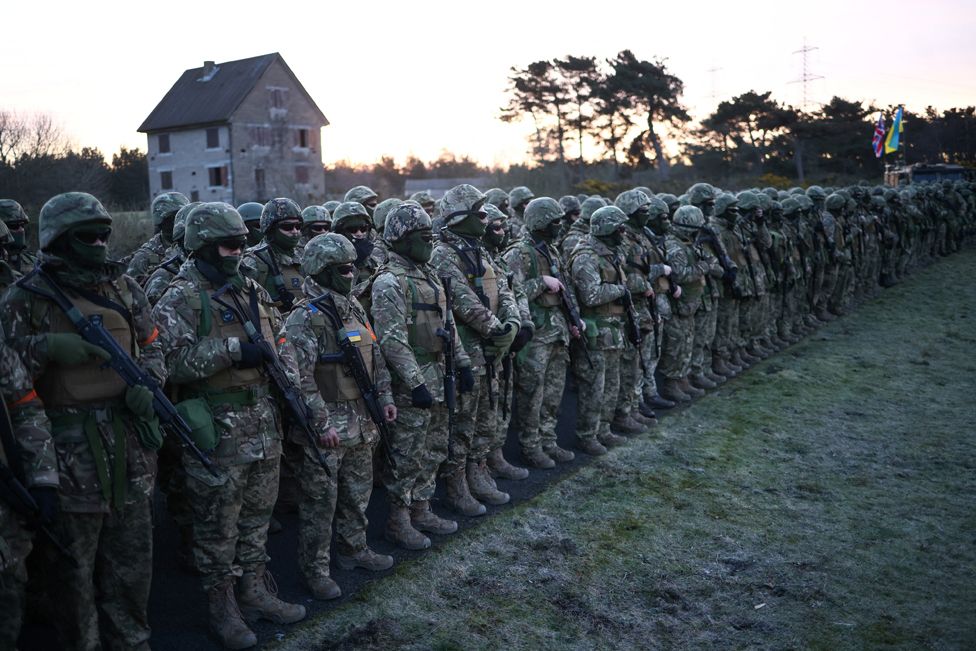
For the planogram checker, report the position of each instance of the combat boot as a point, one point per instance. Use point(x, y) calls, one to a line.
point(365, 558)
point(400, 531)
point(424, 519)
point(500, 466)
point(592, 447)
point(671, 390)
point(626, 424)
point(459, 497)
point(699, 381)
point(656, 401)
point(482, 487)
point(647, 412)
point(749, 357)
point(685, 385)
point(643, 419)
point(323, 588)
point(721, 367)
point(226, 621)
point(538, 459)
point(258, 599)
point(716, 378)
point(610, 440)
point(757, 352)
point(558, 454)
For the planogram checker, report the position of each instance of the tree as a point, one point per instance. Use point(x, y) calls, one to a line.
point(129, 178)
point(745, 128)
point(578, 79)
point(537, 91)
point(654, 93)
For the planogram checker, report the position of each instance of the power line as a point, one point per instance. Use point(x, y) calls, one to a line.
point(807, 76)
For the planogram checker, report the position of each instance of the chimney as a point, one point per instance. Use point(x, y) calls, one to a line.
point(209, 70)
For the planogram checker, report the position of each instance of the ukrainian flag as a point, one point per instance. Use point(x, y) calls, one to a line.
point(894, 134)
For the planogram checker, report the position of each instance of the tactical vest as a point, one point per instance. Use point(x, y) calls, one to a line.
point(691, 293)
point(610, 275)
point(219, 323)
point(537, 261)
point(485, 286)
point(290, 276)
point(333, 379)
point(426, 305)
point(89, 383)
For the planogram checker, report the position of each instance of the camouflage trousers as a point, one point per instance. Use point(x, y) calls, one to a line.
point(172, 481)
point(418, 446)
point(629, 371)
point(827, 288)
point(679, 335)
point(344, 497)
point(750, 319)
point(727, 327)
point(470, 439)
point(542, 378)
point(496, 426)
point(706, 324)
point(15, 545)
point(103, 602)
point(651, 351)
point(230, 518)
point(598, 388)
point(841, 295)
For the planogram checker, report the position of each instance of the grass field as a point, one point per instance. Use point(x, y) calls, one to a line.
point(824, 500)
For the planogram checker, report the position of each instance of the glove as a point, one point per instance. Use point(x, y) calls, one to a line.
point(420, 397)
point(730, 274)
point(139, 400)
point(48, 503)
point(523, 337)
point(69, 349)
point(252, 356)
point(505, 338)
point(465, 380)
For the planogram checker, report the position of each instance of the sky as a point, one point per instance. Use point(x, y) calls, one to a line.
point(419, 77)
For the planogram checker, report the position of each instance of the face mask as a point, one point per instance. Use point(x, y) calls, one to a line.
point(83, 247)
point(640, 218)
point(731, 217)
point(363, 248)
point(470, 226)
point(417, 246)
point(708, 208)
point(551, 231)
point(658, 224)
point(287, 240)
point(615, 238)
point(19, 242)
point(229, 264)
point(333, 280)
point(166, 229)
point(494, 239)
point(254, 234)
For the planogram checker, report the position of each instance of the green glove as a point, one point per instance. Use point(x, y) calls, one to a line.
point(505, 339)
point(69, 349)
point(139, 400)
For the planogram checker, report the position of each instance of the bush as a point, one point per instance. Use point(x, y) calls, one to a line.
point(129, 230)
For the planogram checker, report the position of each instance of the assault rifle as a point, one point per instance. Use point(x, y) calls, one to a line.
point(92, 331)
point(447, 334)
point(282, 295)
point(350, 356)
point(295, 407)
point(569, 311)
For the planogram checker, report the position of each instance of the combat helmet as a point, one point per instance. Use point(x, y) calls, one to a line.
point(211, 222)
point(590, 206)
point(726, 202)
point(424, 198)
point(403, 220)
point(461, 201)
point(816, 193)
point(688, 217)
point(331, 206)
point(569, 204)
point(166, 205)
point(63, 211)
point(518, 196)
point(315, 215)
point(540, 212)
point(278, 210)
point(326, 250)
point(362, 194)
point(250, 211)
point(669, 199)
point(12, 212)
point(384, 207)
point(791, 207)
point(748, 201)
point(630, 201)
point(606, 221)
point(835, 203)
point(497, 197)
point(347, 212)
point(179, 222)
point(700, 193)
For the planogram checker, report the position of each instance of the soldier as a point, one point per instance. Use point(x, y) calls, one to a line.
point(363, 196)
point(753, 236)
point(538, 269)
point(407, 309)
point(498, 198)
point(601, 286)
point(158, 280)
point(148, 256)
point(518, 199)
point(27, 451)
point(250, 212)
point(737, 285)
point(226, 398)
point(488, 321)
point(105, 433)
point(311, 348)
point(353, 220)
point(276, 264)
point(316, 220)
point(7, 273)
point(380, 248)
point(581, 227)
point(836, 205)
point(689, 266)
point(666, 291)
point(572, 208)
point(18, 257)
point(424, 198)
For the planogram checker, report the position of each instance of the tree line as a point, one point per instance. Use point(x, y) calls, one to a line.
point(586, 111)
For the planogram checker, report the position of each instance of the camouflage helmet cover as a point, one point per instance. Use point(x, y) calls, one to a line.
point(210, 222)
point(63, 211)
point(806, 203)
point(360, 194)
point(166, 205)
point(519, 195)
point(540, 212)
point(384, 207)
point(630, 201)
point(494, 213)
point(424, 198)
point(316, 215)
point(250, 211)
point(816, 192)
point(657, 207)
point(403, 220)
point(11, 211)
point(331, 205)
point(459, 202)
point(765, 202)
point(835, 202)
point(5, 236)
point(689, 217)
point(607, 220)
point(179, 222)
point(724, 201)
point(668, 199)
point(325, 250)
point(790, 206)
point(496, 196)
point(699, 193)
point(569, 203)
point(278, 210)
point(748, 200)
point(346, 212)
point(590, 206)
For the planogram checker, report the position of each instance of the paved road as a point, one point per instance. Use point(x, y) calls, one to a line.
point(178, 606)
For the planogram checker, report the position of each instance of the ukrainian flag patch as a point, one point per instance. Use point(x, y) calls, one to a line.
point(354, 336)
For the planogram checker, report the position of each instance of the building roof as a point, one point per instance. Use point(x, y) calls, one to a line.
point(198, 98)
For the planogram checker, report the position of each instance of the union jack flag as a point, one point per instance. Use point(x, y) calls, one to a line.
point(878, 140)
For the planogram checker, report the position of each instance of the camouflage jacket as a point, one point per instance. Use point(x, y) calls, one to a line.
point(275, 270)
point(528, 261)
point(8, 275)
point(476, 321)
point(34, 456)
point(729, 238)
point(393, 317)
point(82, 417)
point(161, 276)
point(753, 239)
point(147, 257)
point(689, 266)
point(577, 232)
point(22, 262)
point(308, 346)
point(518, 291)
point(197, 350)
point(600, 283)
point(637, 253)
